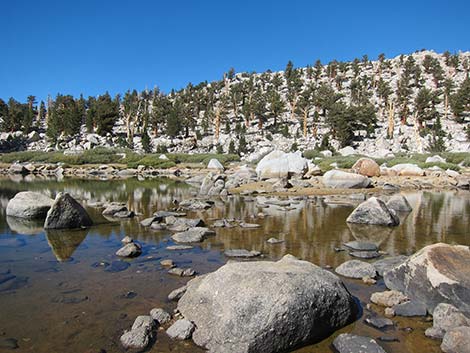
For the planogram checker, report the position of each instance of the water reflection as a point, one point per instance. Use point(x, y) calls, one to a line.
point(309, 227)
point(63, 243)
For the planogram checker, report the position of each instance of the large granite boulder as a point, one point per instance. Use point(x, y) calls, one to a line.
point(366, 167)
point(438, 273)
point(407, 169)
point(456, 340)
point(266, 306)
point(339, 179)
point(215, 164)
point(29, 205)
point(278, 164)
point(66, 213)
point(373, 211)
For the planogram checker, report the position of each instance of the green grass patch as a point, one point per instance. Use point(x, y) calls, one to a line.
point(114, 156)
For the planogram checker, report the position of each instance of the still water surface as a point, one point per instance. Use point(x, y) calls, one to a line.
point(61, 300)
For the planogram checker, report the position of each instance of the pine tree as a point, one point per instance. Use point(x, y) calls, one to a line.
point(242, 147)
point(28, 118)
point(436, 143)
point(174, 123)
point(425, 105)
point(146, 141)
point(460, 101)
point(231, 148)
point(107, 113)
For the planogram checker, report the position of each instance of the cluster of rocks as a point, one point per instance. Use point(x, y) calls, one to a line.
point(432, 281)
point(62, 213)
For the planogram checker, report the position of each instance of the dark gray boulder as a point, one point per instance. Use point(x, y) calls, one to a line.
point(438, 273)
point(388, 263)
point(299, 303)
point(349, 343)
point(66, 213)
point(399, 203)
point(411, 308)
point(29, 205)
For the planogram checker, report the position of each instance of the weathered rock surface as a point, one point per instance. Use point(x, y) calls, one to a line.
point(193, 235)
point(356, 269)
point(407, 169)
point(299, 303)
point(457, 340)
point(130, 250)
point(373, 211)
point(366, 167)
point(215, 164)
point(349, 343)
point(29, 205)
point(399, 203)
point(388, 263)
point(338, 179)
point(66, 213)
point(388, 298)
point(181, 330)
point(241, 253)
point(410, 308)
point(445, 317)
point(378, 322)
point(278, 164)
point(177, 293)
point(160, 316)
point(140, 335)
point(438, 273)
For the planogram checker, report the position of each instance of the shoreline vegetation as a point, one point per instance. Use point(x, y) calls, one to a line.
point(454, 160)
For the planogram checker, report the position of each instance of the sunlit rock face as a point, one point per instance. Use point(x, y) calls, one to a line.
point(438, 273)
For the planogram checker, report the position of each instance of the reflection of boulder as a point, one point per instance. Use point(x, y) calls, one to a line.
point(25, 226)
point(370, 233)
point(64, 243)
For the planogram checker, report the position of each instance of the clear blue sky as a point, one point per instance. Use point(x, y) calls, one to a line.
point(91, 46)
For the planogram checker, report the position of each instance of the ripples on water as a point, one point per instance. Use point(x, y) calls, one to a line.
point(56, 294)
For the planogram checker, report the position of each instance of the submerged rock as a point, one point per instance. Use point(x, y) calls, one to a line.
point(29, 205)
point(299, 300)
point(241, 253)
point(66, 213)
point(373, 211)
point(349, 343)
point(361, 245)
point(438, 273)
point(378, 322)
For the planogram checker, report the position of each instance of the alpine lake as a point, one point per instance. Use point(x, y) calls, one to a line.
point(67, 291)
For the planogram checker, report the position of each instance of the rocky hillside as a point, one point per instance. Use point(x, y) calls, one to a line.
point(410, 103)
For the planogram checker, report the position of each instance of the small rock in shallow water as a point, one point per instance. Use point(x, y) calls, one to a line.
point(167, 263)
point(182, 272)
point(274, 241)
point(378, 322)
point(356, 269)
point(368, 280)
point(388, 298)
point(181, 330)
point(349, 343)
point(160, 316)
point(179, 247)
point(143, 321)
point(136, 339)
point(389, 312)
point(126, 240)
point(177, 293)
point(411, 308)
point(129, 250)
point(241, 253)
